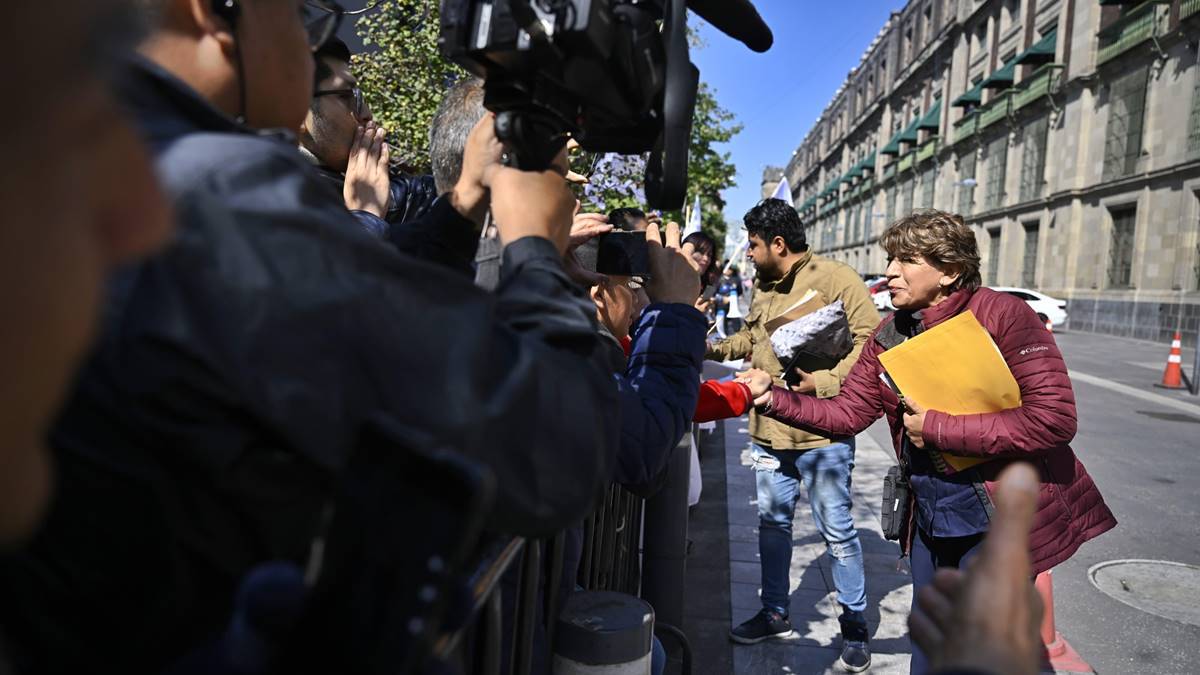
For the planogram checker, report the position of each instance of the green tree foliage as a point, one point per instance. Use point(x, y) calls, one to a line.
point(403, 75)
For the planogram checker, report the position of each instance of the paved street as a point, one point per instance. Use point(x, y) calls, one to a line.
point(1144, 454)
point(1140, 444)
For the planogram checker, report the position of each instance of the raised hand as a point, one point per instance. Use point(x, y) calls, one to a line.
point(673, 275)
point(368, 184)
point(585, 227)
point(532, 203)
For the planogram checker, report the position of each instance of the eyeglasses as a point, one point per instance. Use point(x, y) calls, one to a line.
point(353, 92)
point(321, 21)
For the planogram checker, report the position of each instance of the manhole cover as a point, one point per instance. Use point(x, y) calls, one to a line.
point(1160, 587)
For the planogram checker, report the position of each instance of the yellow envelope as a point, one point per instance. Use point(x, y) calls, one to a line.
point(954, 368)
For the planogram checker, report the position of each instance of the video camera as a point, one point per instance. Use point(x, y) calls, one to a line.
point(613, 74)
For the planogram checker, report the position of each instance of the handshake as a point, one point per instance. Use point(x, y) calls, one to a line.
point(760, 383)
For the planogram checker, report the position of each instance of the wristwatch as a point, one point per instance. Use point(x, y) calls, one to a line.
point(766, 407)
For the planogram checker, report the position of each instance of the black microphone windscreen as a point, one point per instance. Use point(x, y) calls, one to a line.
point(736, 18)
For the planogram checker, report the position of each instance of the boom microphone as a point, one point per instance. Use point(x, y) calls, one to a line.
point(736, 18)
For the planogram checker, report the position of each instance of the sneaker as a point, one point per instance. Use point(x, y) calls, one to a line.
point(766, 625)
point(856, 656)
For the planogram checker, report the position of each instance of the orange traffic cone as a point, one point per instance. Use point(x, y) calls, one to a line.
point(1173, 375)
point(1063, 657)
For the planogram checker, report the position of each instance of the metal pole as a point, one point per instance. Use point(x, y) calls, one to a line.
point(1195, 383)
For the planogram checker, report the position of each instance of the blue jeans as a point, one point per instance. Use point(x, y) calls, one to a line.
point(929, 553)
point(825, 473)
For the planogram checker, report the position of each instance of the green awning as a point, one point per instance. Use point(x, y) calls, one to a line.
point(1003, 78)
point(893, 146)
point(909, 135)
point(1041, 52)
point(854, 172)
point(974, 96)
point(807, 203)
point(868, 163)
point(932, 119)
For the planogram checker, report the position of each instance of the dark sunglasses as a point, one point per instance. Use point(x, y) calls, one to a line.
point(352, 92)
point(321, 21)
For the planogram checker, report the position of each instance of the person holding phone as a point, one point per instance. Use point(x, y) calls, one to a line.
point(933, 275)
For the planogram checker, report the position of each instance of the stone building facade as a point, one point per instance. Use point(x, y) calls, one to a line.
point(1066, 132)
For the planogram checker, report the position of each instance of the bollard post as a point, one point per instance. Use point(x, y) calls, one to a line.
point(604, 633)
point(1195, 383)
point(664, 558)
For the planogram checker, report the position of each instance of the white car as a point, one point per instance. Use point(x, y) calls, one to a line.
point(883, 301)
point(1048, 309)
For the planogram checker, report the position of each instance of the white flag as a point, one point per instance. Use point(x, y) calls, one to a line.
point(784, 192)
point(693, 223)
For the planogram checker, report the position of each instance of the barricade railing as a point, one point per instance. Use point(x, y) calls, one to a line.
point(611, 560)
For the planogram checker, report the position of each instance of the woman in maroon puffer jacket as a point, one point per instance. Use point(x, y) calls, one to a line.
point(933, 275)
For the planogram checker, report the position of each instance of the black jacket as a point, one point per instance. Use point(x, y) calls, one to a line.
point(409, 198)
point(236, 371)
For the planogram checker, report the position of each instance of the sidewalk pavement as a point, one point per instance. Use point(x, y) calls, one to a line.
point(814, 608)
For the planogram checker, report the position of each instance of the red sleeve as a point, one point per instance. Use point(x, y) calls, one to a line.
point(856, 406)
point(721, 400)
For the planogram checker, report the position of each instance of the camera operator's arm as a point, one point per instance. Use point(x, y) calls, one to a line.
point(448, 234)
point(322, 329)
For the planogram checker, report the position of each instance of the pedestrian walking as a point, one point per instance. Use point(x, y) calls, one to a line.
point(934, 276)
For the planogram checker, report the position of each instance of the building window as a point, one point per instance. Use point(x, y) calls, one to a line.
point(1033, 158)
point(1029, 260)
point(1194, 119)
point(980, 39)
point(910, 188)
point(907, 54)
point(993, 271)
point(1123, 135)
point(927, 24)
point(997, 160)
point(927, 179)
point(1120, 249)
point(966, 183)
point(891, 203)
point(1010, 15)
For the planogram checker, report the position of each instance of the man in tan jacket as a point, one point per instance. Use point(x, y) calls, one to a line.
point(791, 282)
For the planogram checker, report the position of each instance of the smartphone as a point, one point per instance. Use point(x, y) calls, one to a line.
point(709, 292)
point(623, 254)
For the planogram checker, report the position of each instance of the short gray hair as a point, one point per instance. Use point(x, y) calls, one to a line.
point(460, 110)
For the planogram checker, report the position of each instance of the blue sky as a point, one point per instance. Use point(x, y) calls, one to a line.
point(778, 95)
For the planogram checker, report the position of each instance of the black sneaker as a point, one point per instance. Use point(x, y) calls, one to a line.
point(766, 625)
point(856, 656)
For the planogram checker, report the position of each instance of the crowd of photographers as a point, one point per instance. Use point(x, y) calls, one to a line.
point(235, 335)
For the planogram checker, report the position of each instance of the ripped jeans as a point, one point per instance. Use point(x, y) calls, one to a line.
point(825, 473)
